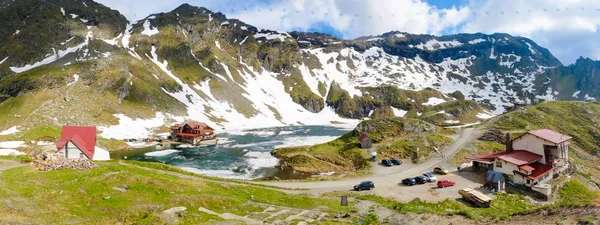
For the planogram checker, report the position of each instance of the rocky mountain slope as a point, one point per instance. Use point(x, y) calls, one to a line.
point(79, 62)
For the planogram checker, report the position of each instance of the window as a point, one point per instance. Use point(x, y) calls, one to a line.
point(499, 164)
point(528, 181)
point(81, 155)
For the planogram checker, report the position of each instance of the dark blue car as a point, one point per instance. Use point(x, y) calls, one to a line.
point(365, 185)
point(387, 162)
point(409, 181)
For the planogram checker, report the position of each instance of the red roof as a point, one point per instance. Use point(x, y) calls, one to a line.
point(363, 136)
point(83, 137)
point(488, 157)
point(539, 170)
point(550, 135)
point(526, 168)
point(520, 157)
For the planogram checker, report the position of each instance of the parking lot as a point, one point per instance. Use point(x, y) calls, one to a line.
point(387, 180)
point(428, 192)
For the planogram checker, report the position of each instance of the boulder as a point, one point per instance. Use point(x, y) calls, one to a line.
point(169, 216)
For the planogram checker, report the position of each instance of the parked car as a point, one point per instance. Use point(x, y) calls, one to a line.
point(445, 183)
point(440, 170)
point(430, 177)
point(387, 162)
point(409, 181)
point(420, 179)
point(396, 161)
point(365, 185)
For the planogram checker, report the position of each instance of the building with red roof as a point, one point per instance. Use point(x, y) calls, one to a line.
point(365, 141)
point(530, 159)
point(77, 142)
point(192, 133)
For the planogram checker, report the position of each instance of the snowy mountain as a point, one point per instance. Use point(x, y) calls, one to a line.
point(79, 62)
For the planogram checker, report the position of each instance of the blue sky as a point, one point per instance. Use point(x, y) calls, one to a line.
point(569, 29)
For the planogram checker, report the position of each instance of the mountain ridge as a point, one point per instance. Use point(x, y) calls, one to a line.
point(191, 63)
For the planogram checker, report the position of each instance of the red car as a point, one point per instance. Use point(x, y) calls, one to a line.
point(445, 183)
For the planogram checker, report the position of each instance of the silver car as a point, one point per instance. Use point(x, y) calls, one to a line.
point(430, 177)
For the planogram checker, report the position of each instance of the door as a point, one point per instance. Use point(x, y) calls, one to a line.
point(548, 155)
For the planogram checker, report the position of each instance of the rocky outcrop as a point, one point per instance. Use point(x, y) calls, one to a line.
point(170, 216)
point(313, 105)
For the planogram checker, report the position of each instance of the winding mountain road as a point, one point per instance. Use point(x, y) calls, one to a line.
point(385, 179)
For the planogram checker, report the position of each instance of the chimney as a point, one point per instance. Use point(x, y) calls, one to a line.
point(508, 142)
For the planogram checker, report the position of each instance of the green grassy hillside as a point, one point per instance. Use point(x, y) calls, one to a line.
point(393, 137)
point(135, 193)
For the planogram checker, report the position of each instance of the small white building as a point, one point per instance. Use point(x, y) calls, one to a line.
point(80, 143)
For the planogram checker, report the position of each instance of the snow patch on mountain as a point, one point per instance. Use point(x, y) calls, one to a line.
point(4, 152)
point(589, 98)
point(485, 115)
point(478, 40)
point(148, 29)
point(56, 56)
point(12, 144)
point(2, 61)
point(434, 101)
point(114, 41)
point(492, 56)
point(548, 96)
point(509, 60)
point(218, 44)
point(9, 131)
point(329, 72)
point(133, 128)
point(531, 49)
point(399, 112)
point(436, 45)
point(76, 77)
point(310, 80)
point(575, 95)
point(374, 39)
point(272, 35)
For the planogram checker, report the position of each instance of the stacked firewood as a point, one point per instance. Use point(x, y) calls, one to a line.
point(48, 162)
point(493, 135)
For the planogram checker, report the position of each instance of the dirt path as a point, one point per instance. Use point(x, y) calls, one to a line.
point(385, 180)
point(8, 164)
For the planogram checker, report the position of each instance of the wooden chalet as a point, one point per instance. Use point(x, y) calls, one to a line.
point(365, 141)
point(193, 133)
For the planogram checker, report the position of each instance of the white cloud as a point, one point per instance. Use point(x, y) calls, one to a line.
point(569, 29)
point(563, 27)
point(354, 18)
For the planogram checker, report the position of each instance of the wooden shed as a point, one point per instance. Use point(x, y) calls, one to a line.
point(365, 141)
